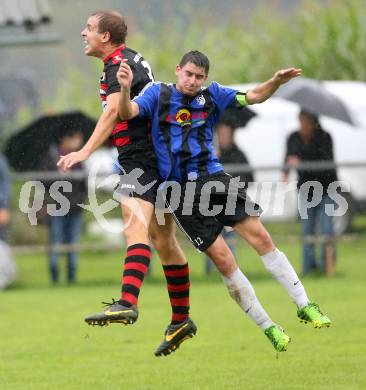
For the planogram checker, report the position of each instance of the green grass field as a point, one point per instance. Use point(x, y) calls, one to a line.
point(44, 343)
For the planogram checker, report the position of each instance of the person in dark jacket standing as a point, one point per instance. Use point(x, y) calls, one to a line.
point(229, 153)
point(308, 144)
point(4, 198)
point(65, 228)
point(8, 269)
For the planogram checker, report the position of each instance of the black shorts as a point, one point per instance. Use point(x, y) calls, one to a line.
point(139, 176)
point(208, 204)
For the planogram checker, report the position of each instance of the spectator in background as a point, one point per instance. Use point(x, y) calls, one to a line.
point(4, 199)
point(229, 153)
point(66, 229)
point(312, 143)
point(7, 266)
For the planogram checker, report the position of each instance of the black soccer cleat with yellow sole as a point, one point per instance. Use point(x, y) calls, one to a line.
point(175, 335)
point(114, 313)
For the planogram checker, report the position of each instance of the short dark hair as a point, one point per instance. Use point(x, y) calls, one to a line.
point(114, 23)
point(197, 58)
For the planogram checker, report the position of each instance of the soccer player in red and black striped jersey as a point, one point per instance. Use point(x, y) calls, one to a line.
point(104, 37)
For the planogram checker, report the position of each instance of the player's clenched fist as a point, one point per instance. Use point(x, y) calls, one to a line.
point(124, 74)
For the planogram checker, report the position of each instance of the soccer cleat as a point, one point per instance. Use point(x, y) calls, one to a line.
point(114, 313)
point(312, 313)
point(277, 337)
point(175, 335)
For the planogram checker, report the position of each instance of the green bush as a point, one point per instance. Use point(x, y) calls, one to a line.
point(327, 41)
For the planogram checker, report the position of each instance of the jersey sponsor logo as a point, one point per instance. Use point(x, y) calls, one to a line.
point(185, 118)
point(201, 100)
point(116, 59)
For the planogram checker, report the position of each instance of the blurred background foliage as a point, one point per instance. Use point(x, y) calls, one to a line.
point(246, 41)
point(327, 42)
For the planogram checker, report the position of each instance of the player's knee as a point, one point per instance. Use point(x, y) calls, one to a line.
point(172, 243)
point(135, 233)
point(224, 261)
point(264, 239)
point(163, 244)
point(157, 242)
point(259, 238)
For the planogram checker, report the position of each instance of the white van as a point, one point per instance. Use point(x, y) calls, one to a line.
point(264, 142)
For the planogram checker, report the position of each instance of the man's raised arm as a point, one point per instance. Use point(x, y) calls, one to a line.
point(263, 91)
point(126, 108)
point(102, 131)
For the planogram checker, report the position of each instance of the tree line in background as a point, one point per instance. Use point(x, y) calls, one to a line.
point(327, 42)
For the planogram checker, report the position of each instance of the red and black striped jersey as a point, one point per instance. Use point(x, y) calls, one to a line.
point(138, 129)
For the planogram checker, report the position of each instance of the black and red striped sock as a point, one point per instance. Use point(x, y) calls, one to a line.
point(136, 265)
point(177, 277)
